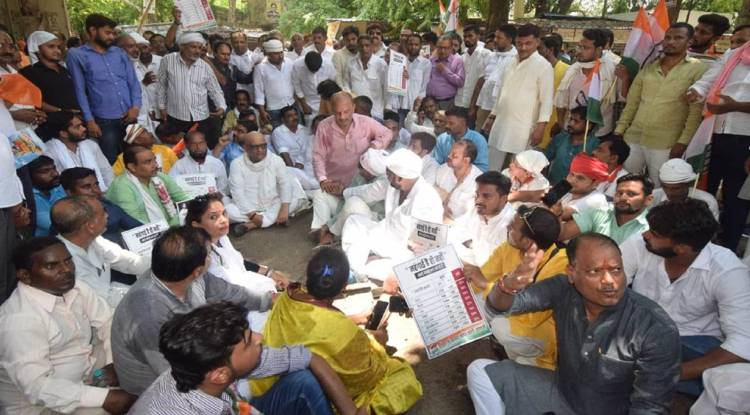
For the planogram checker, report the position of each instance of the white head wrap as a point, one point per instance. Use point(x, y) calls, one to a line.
point(404, 163)
point(676, 171)
point(532, 161)
point(374, 161)
point(190, 37)
point(272, 46)
point(131, 132)
point(35, 39)
point(139, 40)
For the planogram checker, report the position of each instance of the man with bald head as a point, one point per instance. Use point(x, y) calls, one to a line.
point(263, 188)
point(340, 141)
point(81, 221)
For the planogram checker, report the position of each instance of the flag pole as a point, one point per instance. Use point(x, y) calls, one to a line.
point(585, 135)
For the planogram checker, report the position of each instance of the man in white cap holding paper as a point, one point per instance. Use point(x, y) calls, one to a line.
point(146, 68)
point(185, 81)
point(409, 197)
point(272, 81)
point(677, 184)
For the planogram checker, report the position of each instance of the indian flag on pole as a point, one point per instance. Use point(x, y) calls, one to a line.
point(593, 87)
point(644, 42)
point(452, 24)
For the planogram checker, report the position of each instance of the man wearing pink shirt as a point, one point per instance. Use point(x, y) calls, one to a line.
point(339, 142)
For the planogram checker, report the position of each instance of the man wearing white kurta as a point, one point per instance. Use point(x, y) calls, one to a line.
point(147, 63)
point(524, 105)
point(407, 198)
point(473, 57)
point(293, 142)
point(272, 83)
point(495, 64)
point(243, 58)
point(367, 75)
point(455, 180)
point(422, 145)
point(307, 73)
point(419, 69)
point(263, 189)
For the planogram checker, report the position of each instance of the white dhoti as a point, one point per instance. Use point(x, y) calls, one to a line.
point(233, 211)
point(353, 206)
point(325, 206)
point(520, 349)
point(306, 177)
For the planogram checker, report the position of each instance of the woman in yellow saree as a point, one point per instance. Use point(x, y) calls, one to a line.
point(305, 315)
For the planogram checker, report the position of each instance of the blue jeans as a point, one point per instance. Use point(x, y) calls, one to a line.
point(296, 393)
point(113, 131)
point(694, 347)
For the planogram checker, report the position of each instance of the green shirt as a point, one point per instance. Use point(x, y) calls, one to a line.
point(656, 115)
point(123, 193)
point(604, 222)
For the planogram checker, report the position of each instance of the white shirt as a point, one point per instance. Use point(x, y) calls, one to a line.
point(183, 90)
point(340, 61)
point(473, 69)
point(712, 298)
point(94, 265)
point(576, 94)
point(737, 87)
point(380, 53)
point(273, 85)
point(419, 75)
point(46, 351)
point(713, 206)
point(494, 69)
point(297, 144)
point(228, 264)
point(256, 187)
point(327, 53)
point(293, 56)
point(484, 236)
point(460, 195)
point(148, 92)
point(410, 122)
point(306, 83)
point(524, 101)
point(9, 182)
point(370, 82)
point(430, 167)
point(593, 200)
point(212, 165)
point(88, 154)
point(609, 188)
point(245, 63)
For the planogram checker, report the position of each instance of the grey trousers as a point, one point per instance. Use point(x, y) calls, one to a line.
point(527, 390)
point(7, 244)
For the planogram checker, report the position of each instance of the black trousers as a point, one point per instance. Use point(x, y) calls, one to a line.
point(7, 244)
point(210, 127)
point(727, 164)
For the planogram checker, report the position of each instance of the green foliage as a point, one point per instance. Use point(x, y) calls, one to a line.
point(304, 15)
point(122, 11)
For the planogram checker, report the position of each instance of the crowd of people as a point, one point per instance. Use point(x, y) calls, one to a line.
point(605, 266)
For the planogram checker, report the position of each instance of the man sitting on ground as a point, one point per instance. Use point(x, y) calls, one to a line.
point(178, 283)
point(527, 181)
point(585, 175)
point(46, 333)
point(528, 339)
point(136, 135)
point(457, 125)
point(293, 143)
point(624, 344)
point(625, 217)
point(421, 117)
point(80, 181)
point(422, 145)
point(678, 183)
point(81, 220)
point(455, 180)
point(703, 287)
point(263, 189)
point(567, 144)
point(45, 182)
point(144, 192)
point(613, 151)
point(211, 350)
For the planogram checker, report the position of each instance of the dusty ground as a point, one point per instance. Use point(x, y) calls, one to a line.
point(443, 379)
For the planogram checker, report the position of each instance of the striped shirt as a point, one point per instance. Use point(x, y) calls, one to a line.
point(184, 89)
point(163, 398)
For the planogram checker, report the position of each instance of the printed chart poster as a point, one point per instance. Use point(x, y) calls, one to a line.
point(428, 235)
point(141, 239)
point(445, 309)
point(397, 82)
point(196, 14)
point(197, 184)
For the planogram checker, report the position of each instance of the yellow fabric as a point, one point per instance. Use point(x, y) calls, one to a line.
point(168, 159)
point(539, 325)
point(386, 384)
point(560, 69)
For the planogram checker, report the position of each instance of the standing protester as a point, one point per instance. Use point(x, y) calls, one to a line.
point(490, 83)
point(473, 58)
point(524, 105)
point(550, 47)
point(11, 199)
point(375, 31)
point(185, 83)
point(447, 74)
point(272, 81)
point(319, 38)
point(367, 75)
point(307, 73)
point(146, 67)
point(341, 57)
point(710, 28)
point(106, 85)
point(418, 69)
point(243, 59)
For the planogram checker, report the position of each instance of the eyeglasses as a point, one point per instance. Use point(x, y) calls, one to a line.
point(525, 217)
point(257, 146)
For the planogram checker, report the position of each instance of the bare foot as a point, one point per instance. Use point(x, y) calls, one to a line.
point(325, 237)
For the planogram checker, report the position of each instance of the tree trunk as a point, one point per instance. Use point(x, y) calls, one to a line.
point(744, 16)
point(673, 8)
point(540, 7)
point(563, 6)
point(232, 13)
point(498, 13)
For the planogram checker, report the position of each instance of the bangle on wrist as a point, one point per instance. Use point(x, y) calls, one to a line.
point(501, 286)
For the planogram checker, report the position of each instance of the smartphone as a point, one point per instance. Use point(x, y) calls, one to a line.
point(556, 193)
point(398, 305)
point(377, 315)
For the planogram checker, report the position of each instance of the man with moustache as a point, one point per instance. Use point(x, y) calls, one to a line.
point(146, 67)
point(106, 85)
point(473, 58)
point(418, 69)
point(621, 219)
point(319, 38)
point(45, 185)
point(341, 57)
point(47, 327)
point(703, 287)
point(629, 368)
point(272, 80)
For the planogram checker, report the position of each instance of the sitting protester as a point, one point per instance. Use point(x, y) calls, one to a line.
point(422, 145)
point(527, 183)
point(613, 151)
point(568, 144)
point(136, 135)
point(45, 185)
point(678, 184)
point(455, 180)
point(293, 142)
point(623, 344)
point(231, 145)
point(305, 315)
point(586, 173)
point(211, 351)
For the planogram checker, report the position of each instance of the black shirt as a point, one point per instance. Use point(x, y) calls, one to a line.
point(57, 90)
point(625, 362)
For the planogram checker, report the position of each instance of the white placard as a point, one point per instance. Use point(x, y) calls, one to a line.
point(397, 82)
point(197, 184)
point(141, 239)
point(447, 313)
point(428, 235)
point(196, 14)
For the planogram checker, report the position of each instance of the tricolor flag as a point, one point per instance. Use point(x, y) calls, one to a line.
point(449, 17)
point(593, 86)
point(644, 42)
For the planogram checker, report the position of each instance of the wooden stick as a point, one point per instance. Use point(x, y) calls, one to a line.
point(144, 14)
point(585, 135)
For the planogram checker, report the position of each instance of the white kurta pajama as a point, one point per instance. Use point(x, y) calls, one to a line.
point(298, 145)
point(364, 200)
point(371, 82)
point(88, 154)
point(460, 195)
point(524, 101)
point(262, 187)
point(148, 92)
point(388, 237)
point(484, 236)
